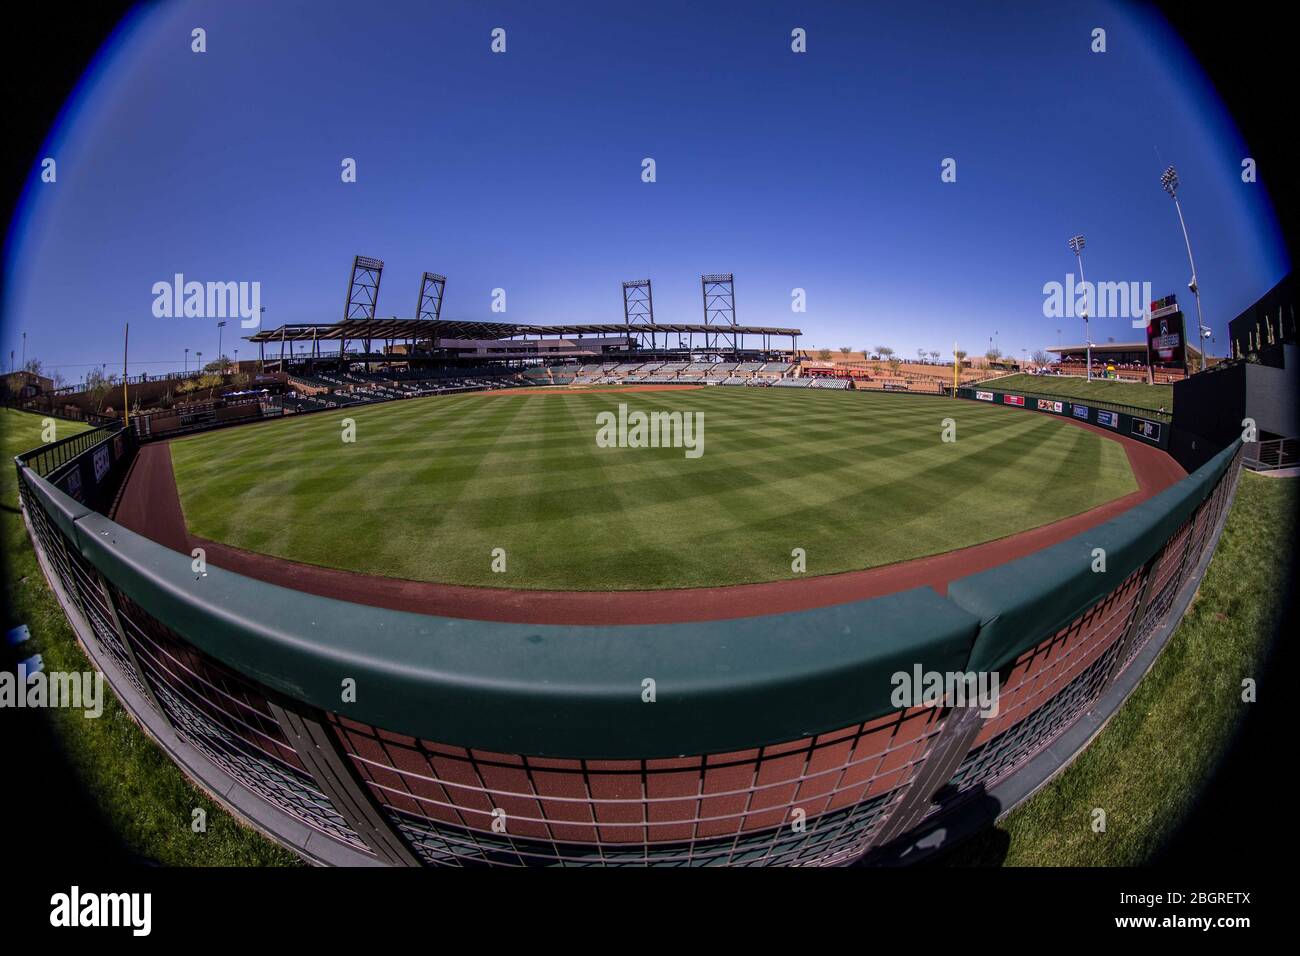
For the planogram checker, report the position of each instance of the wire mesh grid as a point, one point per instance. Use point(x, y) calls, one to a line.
point(739, 807)
point(1047, 688)
point(226, 717)
point(81, 584)
point(1174, 565)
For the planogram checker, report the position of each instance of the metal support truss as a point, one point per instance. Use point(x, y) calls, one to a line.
point(638, 302)
point(429, 307)
point(363, 288)
point(430, 304)
point(719, 294)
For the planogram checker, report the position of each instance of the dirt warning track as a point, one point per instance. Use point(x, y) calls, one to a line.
point(150, 505)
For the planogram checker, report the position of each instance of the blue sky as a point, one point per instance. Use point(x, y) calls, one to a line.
point(522, 170)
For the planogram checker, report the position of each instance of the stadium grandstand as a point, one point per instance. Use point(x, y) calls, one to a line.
point(1121, 360)
point(360, 340)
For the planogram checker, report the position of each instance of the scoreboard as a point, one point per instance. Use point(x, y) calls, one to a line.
point(1166, 334)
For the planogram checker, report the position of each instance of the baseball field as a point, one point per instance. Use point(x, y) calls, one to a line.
point(430, 489)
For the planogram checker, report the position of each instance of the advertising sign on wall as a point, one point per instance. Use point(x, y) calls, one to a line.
point(1109, 419)
point(73, 483)
point(1047, 405)
point(1081, 411)
point(1013, 400)
point(101, 462)
point(1145, 429)
point(984, 396)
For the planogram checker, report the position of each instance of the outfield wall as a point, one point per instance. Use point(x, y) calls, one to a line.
point(1150, 428)
point(360, 735)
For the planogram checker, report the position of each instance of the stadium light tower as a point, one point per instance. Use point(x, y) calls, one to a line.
point(1169, 182)
point(221, 358)
point(1076, 243)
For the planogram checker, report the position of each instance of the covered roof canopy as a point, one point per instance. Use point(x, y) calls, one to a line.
point(1104, 347)
point(452, 329)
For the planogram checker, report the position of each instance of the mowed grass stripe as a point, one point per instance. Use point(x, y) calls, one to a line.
point(718, 498)
point(308, 480)
point(432, 486)
point(779, 458)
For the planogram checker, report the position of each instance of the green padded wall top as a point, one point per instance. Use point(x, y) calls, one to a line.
point(565, 691)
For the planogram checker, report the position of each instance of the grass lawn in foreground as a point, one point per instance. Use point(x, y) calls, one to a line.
point(431, 486)
point(142, 796)
point(1150, 764)
point(1137, 394)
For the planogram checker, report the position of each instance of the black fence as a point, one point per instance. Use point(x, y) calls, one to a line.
point(1146, 426)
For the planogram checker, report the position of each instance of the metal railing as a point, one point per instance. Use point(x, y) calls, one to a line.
point(47, 459)
point(1136, 411)
point(1275, 453)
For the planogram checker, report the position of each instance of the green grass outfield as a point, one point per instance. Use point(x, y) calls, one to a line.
point(431, 486)
point(1137, 394)
point(143, 797)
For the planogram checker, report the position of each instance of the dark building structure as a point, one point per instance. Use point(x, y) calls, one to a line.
point(1260, 331)
point(1259, 385)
